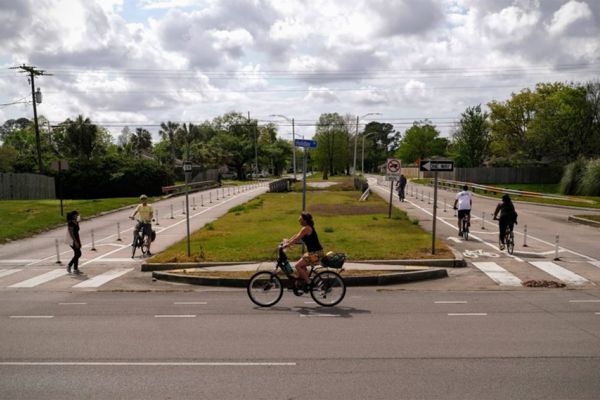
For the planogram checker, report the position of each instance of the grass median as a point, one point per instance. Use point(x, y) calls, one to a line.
point(22, 218)
point(251, 232)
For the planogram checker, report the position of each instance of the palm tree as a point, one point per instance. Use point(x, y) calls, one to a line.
point(168, 130)
point(141, 140)
point(188, 132)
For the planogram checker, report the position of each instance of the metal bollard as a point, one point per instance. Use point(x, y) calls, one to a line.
point(193, 202)
point(57, 252)
point(156, 218)
point(172, 217)
point(483, 220)
point(93, 242)
point(556, 248)
point(210, 197)
point(201, 200)
point(119, 232)
point(525, 236)
point(183, 207)
point(217, 194)
point(223, 196)
point(428, 197)
point(444, 204)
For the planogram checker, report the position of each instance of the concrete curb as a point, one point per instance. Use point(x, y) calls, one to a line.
point(374, 280)
point(440, 263)
point(584, 221)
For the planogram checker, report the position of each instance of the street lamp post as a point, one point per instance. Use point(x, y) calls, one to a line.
point(356, 138)
point(293, 139)
point(362, 169)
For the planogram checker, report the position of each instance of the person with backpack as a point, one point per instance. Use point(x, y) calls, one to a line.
point(74, 240)
point(508, 217)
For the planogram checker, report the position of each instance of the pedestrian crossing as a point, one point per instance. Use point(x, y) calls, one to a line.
point(503, 277)
point(57, 278)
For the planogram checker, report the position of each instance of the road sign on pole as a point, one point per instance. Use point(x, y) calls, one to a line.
point(305, 143)
point(436, 166)
point(393, 167)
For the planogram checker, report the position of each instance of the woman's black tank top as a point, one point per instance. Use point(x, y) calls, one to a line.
point(312, 242)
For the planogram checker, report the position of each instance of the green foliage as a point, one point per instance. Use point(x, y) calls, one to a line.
point(81, 139)
point(471, 139)
point(332, 154)
point(570, 182)
point(421, 141)
point(8, 157)
point(590, 182)
point(380, 141)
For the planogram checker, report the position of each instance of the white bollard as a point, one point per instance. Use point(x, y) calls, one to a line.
point(210, 197)
point(483, 220)
point(172, 217)
point(428, 197)
point(217, 194)
point(183, 207)
point(57, 252)
point(156, 218)
point(525, 236)
point(119, 232)
point(201, 200)
point(193, 202)
point(444, 204)
point(93, 242)
point(556, 248)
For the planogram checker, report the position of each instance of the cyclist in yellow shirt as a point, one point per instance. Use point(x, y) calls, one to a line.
point(145, 214)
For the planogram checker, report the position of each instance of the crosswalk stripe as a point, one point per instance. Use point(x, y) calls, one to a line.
point(595, 263)
point(38, 280)
point(101, 279)
point(498, 274)
point(559, 272)
point(8, 272)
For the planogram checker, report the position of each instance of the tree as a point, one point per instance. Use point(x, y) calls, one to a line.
point(13, 125)
point(8, 158)
point(186, 134)
point(236, 135)
point(333, 150)
point(381, 140)
point(421, 141)
point(167, 131)
point(81, 138)
point(141, 141)
point(471, 138)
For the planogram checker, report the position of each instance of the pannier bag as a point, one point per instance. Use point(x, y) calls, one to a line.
point(333, 260)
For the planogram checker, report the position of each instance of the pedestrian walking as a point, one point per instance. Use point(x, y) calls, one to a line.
point(73, 240)
point(401, 186)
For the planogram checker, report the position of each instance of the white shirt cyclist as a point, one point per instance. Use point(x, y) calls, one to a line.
point(464, 199)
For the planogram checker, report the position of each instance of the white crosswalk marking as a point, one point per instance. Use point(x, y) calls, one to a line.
point(559, 272)
point(8, 272)
point(38, 280)
point(595, 263)
point(101, 279)
point(498, 274)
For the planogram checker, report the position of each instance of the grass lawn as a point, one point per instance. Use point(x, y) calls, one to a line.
point(22, 218)
point(251, 232)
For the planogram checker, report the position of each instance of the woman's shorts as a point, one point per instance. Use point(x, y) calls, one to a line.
point(313, 257)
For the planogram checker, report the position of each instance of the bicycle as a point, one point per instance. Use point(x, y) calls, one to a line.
point(326, 287)
point(509, 239)
point(465, 226)
point(142, 241)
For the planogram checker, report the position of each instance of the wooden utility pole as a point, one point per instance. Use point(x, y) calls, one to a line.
point(33, 72)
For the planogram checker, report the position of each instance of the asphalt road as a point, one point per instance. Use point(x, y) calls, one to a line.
point(378, 344)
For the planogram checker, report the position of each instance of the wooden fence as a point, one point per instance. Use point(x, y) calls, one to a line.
point(26, 187)
point(501, 175)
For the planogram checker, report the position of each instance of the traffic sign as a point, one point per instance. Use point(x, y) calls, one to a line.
point(59, 165)
point(187, 166)
point(436, 166)
point(392, 178)
point(393, 167)
point(305, 143)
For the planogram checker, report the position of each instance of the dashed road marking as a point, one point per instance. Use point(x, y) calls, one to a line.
point(146, 364)
point(175, 316)
point(584, 301)
point(467, 314)
point(72, 304)
point(32, 316)
point(450, 302)
point(180, 303)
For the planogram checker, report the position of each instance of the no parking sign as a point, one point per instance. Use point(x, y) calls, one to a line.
point(393, 168)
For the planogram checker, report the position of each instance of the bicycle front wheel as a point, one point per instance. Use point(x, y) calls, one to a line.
point(145, 246)
point(327, 288)
point(510, 242)
point(265, 289)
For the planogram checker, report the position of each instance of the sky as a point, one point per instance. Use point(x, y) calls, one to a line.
point(138, 63)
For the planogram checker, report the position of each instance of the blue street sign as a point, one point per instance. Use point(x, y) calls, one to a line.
point(305, 143)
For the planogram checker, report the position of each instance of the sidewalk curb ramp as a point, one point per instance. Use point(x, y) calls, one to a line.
point(584, 221)
point(394, 277)
point(439, 263)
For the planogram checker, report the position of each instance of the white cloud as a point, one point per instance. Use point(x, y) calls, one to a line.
point(569, 14)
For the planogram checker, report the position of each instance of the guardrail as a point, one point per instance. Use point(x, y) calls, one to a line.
point(194, 186)
point(280, 185)
point(450, 184)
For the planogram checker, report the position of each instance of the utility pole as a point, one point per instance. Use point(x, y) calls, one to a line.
point(255, 146)
point(33, 72)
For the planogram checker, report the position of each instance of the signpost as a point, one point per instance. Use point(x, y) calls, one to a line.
point(60, 166)
point(435, 166)
point(393, 169)
point(305, 143)
point(187, 169)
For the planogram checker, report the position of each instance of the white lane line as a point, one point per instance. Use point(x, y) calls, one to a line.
point(101, 279)
point(584, 301)
point(119, 260)
point(149, 364)
point(16, 261)
point(310, 302)
point(559, 272)
point(32, 316)
point(451, 302)
point(498, 274)
point(466, 314)
point(8, 272)
point(454, 239)
point(598, 313)
point(175, 316)
point(190, 303)
point(38, 280)
point(72, 304)
point(319, 315)
point(595, 263)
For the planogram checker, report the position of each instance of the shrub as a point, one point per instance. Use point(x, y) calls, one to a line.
point(570, 182)
point(590, 181)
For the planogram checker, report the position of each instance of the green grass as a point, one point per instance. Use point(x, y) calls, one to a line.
point(362, 230)
point(22, 218)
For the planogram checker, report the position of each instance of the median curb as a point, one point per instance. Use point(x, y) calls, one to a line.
point(394, 277)
point(584, 221)
point(438, 263)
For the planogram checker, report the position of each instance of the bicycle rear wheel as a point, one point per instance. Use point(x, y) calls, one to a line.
point(510, 242)
point(145, 245)
point(327, 288)
point(134, 247)
point(265, 289)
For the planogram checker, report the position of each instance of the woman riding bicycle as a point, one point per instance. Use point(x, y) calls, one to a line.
point(508, 217)
point(308, 235)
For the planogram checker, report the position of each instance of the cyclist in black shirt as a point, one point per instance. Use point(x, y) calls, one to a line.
point(308, 235)
point(508, 217)
point(74, 241)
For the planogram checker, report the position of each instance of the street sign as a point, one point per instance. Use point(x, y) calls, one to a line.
point(305, 143)
point(392, 177)
point(187, 166)
point(59, 165)
point(436, 166)
point(393, 167)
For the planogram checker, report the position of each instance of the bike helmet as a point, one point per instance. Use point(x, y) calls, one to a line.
point(143, 197)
